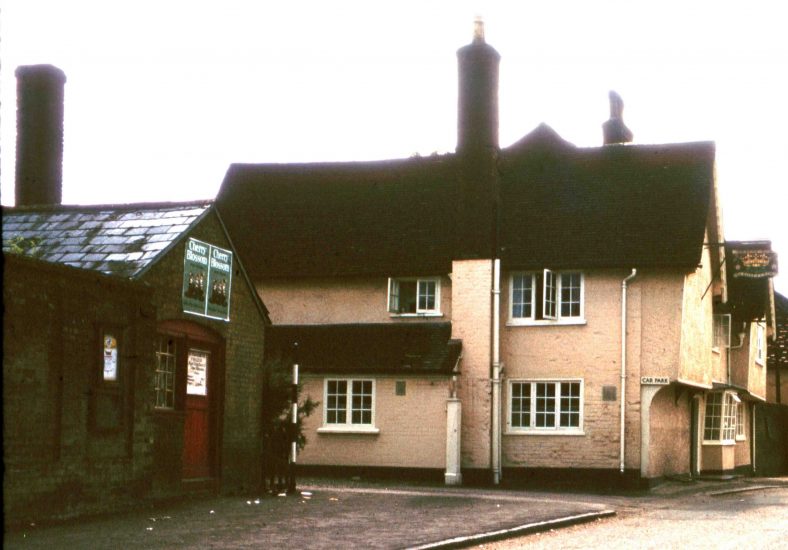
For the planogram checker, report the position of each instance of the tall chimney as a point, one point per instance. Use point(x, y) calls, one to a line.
point(477, 120)
point(477, 149)
point(614, 130)
point(39, 135)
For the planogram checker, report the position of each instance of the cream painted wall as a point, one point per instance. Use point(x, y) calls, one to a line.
point(696, 363)
point(337, 300)
point(669, 445)
point(412, 427)
point(471, 322)
point(590, 352)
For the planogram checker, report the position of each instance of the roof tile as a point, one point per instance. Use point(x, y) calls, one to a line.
point(120, 240)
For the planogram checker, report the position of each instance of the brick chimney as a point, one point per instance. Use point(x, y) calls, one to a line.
point(477, 120)
point(477, 149)
point(614, 130)
point(39, 135)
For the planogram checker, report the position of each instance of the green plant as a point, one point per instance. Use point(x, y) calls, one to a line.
point(278, 428)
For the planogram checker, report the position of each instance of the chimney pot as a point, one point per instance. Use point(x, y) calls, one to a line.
point(614, 130)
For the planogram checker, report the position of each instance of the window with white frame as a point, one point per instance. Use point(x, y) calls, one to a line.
point(740, 433)
point(760, 343)
point(546, 296)
point(414, 296)
point(719, 425)
point(164, 383)
point(545, 405)
point(722, 330)
point(349, 403)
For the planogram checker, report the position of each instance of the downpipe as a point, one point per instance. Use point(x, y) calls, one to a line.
point(624, 365)
point(495, 434)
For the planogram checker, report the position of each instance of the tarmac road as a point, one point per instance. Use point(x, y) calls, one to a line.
point(327, 514)
point(755, 519)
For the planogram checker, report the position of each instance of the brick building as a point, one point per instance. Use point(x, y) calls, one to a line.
point(582, 286)
point(159, 391)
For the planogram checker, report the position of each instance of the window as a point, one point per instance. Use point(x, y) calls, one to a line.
point(760, 343)
point(722, 330)
point(720, 423)
point(165, 373)
point(545, 405)
point(349, 404)
point(547, 296)
point(414, 296)
point(740, 433)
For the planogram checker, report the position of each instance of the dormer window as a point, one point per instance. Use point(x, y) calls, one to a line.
point(414, 296)
point(546, 297)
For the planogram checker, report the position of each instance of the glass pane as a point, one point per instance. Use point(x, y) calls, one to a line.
point(427, 295)
point(407, 297)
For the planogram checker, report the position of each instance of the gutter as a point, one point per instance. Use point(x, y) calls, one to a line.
point(624, 364)
point(495, 434)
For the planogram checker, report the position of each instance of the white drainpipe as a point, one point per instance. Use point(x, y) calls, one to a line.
point(624, 362)
point(496, 373)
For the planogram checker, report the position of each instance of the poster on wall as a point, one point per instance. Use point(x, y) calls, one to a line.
point(207, 280)
point(197, 373)
point(110, 358)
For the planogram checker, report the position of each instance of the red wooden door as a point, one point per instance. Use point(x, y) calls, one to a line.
point(197, 426)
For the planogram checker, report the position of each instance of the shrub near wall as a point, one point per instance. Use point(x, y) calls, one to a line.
point(73, 444)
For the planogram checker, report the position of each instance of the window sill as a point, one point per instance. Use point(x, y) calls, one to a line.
point(547, 431)
point(715, 350)
point(726, 442)
point(370, 430)
point(760, 362)
point(432, 314)
point(545, 322)
point(741, 438)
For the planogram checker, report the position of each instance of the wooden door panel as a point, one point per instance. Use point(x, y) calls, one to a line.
point(197, 424)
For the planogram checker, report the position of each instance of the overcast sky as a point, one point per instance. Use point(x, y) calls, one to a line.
point(162, 95)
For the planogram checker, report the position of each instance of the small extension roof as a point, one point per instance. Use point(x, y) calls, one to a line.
point(121, 240)
point(422, 348)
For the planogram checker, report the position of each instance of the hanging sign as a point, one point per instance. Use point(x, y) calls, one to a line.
point(754, 264)
point(207, 280)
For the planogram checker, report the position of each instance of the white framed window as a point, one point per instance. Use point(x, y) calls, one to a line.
point(546, 297)
point(719, 425)
point(741, 434)
point(414, 296)
point(164, 385)
point(760, 343)
point(722, 330)
point(349, 405)
point(545, 406)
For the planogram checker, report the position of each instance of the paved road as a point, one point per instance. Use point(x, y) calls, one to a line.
point(751, 519)
point(348, 515)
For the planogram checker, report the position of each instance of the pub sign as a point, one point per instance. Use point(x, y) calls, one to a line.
point(207, 280)
point(754, 264)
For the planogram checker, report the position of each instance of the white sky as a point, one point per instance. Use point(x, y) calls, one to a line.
point(162, 95)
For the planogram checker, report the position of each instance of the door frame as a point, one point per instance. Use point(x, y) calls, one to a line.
point(191, 335)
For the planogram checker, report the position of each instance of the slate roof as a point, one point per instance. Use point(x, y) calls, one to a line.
point(120, 240)
point(420, 348)
point(561, 206)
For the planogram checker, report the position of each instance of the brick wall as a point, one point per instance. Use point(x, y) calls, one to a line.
point(73, 443)
point(240, 415)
